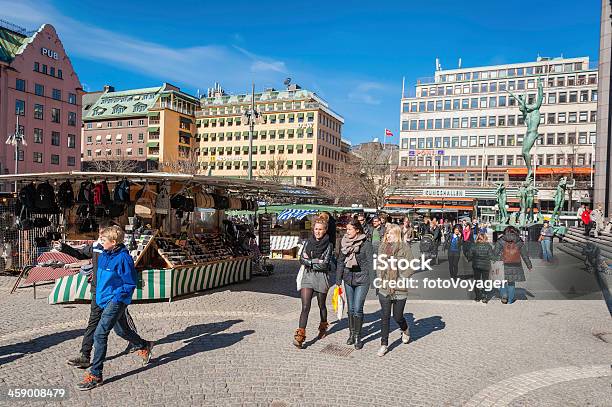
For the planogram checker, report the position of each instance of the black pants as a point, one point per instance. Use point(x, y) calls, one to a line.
point(95, 313)
point(587, 228)
point(480, 275)
point(453, 263)
point(386, 304)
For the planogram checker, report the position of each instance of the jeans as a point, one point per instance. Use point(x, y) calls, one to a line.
point(125, 322)
point(546, 252)
point(453, 263)
point(108, 320)
point(386, 303)
point(355, 298)
point(508, 292)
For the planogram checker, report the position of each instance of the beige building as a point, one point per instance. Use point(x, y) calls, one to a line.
point(298, 141)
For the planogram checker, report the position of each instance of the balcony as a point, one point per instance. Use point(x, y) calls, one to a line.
point(166, 105)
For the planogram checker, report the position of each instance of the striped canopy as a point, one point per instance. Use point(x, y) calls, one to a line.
point(295, 213)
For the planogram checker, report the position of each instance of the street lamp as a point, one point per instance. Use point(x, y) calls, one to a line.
point(252, 117)
point(17, 140)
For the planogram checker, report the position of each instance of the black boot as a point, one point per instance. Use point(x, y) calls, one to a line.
point(477, 292)
point(351, 338)
point(357, 336)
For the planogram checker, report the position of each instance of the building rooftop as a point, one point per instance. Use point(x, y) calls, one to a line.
point(13, 40)
point(111, 104)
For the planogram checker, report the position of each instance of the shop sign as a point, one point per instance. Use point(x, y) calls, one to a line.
point(49, 53)
point(228, 159)
point(421, 153)
point(305, 125)
point(452, 193)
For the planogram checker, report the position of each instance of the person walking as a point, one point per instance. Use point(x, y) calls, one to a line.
point(354, 268)
point(114, 289)
point(366, 228)
point(378, 231)
point(511, 249)
point(393, 299)
point(316, 258)
point(597, 220)
point(468, 238)
point(453, 246)
point(125, 322)
point(407, 230)
point(481, 254)
point(546, 237)
point(586, 220)
point(579, 214)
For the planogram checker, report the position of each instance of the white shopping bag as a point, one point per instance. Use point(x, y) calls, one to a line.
point(298, 279)
point(497, 271)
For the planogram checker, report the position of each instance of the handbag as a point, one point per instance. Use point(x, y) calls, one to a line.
point(299, 277)
point(497, 271)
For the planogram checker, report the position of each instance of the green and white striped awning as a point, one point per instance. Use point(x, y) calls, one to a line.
point(153, 129)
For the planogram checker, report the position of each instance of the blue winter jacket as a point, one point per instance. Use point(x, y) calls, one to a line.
point(116, 276)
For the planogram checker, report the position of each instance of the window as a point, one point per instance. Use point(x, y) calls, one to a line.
point(474, 103)
point(38, 136)
point(573, 97)
point(550, 118)
point(593, 116)
point(71, 161)
point(71, 141)
point(60, 74)
point(582, 138)
point(405, 125)
point(562, 97)
point(38, 111)
point(36, 67)
point(583, 117)
point(55, 159)
point(561, 117)
point(52, 71)
point(141, 122)
point(560, 139)
point(20, 107)
point(130, 138)
point(72, 98)
point(140, 137)
point(56, 94)
point(55, 138)
point(72, 117)
point(571, 118)
point(39, 89)
point(140, 151)
point(44, 68)
point(20, 85)
point(38, 157)
point(55, 115)
point(552, 98)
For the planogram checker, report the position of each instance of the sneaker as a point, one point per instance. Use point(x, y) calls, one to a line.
point(89, 382)
point(145, 353)
point(382, 351)
point(485, 300)
point(405, 336)
point(81, 361)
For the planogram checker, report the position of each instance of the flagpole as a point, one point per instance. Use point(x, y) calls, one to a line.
point(385, 140)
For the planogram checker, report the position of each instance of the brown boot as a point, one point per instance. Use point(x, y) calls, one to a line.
point(323, 329)
point(299, 337)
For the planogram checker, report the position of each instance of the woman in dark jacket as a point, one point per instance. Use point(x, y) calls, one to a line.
point(316, 258)
point(355, 264)
point(511, 249)
point(481, 254)
point(453, 245)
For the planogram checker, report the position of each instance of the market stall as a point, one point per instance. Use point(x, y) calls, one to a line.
point(176, 229)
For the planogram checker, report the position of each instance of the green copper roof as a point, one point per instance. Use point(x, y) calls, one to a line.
point(10, 44)
point(128, 103)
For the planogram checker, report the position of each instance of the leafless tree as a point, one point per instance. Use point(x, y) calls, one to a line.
point(190, 165)
point(364, 178)
point(276, 171)
point(114, 164)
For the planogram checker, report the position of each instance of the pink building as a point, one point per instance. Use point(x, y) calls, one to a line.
point(40, 90)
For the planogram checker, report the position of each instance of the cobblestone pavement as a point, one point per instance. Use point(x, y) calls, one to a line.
point(233, 347)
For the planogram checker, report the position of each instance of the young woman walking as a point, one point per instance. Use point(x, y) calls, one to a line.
point(453, 246)
point(391, 298)
point(481, 254)
point(354, 268)
point(316, 258)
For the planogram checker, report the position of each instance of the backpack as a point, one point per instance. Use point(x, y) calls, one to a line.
point(45, 197)
point(85, 195)
point(65, 195)
point(511, 253)
point(27, 197)
point(122, 192)
point(101, 194)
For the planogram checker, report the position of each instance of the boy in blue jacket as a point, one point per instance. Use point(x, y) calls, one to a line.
point(116, 283)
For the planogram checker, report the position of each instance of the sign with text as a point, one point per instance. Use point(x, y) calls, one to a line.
point(49, 53)
point(452, 193)
point(421, 153)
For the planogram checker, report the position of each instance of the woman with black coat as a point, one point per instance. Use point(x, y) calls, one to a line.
point(316, 258)
point(453, 245)
point(481, 254)
point(355, 265)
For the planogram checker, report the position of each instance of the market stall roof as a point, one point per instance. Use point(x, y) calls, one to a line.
point(295, 213)
point(314, 208)
point(236, 185)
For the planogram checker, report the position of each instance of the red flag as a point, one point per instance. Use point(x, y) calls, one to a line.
point(388, 133)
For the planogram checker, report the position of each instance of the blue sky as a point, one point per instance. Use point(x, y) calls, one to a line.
point(353, 54)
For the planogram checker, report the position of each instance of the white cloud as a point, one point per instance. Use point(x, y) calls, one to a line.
point(363, 93)
point(196, 66)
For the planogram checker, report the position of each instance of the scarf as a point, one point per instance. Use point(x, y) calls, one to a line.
point(390, 249)
point(350, 247)
point(315, 248)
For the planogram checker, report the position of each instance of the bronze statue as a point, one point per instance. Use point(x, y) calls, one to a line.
point(502, 201)
point(532, 191)
point(560, 199)
point(531, 115)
